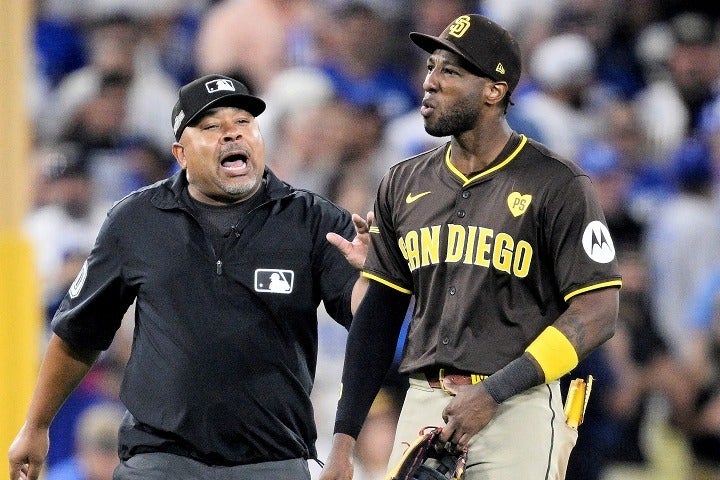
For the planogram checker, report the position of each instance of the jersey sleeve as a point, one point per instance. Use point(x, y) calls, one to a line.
point(385, 262)
point(337, 277)
point(92, 310)
point(581, 246)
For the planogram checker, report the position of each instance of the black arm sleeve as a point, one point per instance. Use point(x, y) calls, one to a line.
point(369, 352)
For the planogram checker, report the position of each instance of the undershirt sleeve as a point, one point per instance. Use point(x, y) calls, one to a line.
point(369, 353)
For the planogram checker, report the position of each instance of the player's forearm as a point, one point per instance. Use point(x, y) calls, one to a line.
point(368, 354)
point(590, 320)
point(585, 325)
point(61, 371)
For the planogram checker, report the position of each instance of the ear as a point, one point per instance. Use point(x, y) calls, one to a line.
point(178, 152)
point(496, 91)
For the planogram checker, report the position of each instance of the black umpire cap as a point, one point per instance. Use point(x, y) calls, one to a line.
point(208, 92)
point(489, 49)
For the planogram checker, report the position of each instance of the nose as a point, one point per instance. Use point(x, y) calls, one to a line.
point(430, 82)
point(232, 132)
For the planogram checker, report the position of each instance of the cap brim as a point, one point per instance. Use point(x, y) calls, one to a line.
point(430, 44)
point(249, 103)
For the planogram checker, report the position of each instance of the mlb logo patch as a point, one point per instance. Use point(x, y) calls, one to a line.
point(274, 280)
point(220, 85)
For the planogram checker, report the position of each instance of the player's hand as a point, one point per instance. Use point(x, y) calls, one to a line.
point(467, 413)
point(339, 464)
point(355, 252)
point(27, 453)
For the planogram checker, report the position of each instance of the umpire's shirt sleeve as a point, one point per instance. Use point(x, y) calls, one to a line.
point(331, 268)
point(93, 307)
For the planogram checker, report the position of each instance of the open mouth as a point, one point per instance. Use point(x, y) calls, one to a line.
point(235, 161)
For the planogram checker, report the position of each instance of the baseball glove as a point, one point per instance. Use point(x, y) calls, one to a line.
point(427, 458)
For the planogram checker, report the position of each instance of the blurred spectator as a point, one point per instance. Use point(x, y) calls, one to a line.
point(257, 39)
point(704, 322)
point(310, 144)
point(96, 438)
point(118, 48)
point(360, 59)
point(568, 96)
point(97, 121)
point(682, 242)
point(293, 93)
point(145, 162)
point(529, 20)
point(611, 28)
point(354, 183)
point(64, 223)
point(59, 44)
point(648, 183)
point(669, 107)
point(333, 149)
point(710, 132)
point(97, 128)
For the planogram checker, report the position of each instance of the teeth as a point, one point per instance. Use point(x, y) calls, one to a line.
point(234, 159)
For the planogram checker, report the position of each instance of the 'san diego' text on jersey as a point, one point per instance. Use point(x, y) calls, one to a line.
point(469, 244)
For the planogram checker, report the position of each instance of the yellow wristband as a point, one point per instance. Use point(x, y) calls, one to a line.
point(554, 353)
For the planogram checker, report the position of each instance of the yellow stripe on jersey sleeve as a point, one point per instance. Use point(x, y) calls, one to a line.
point(597, 286)
point(386, 282)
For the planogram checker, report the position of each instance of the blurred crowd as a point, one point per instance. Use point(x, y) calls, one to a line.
point(628, 89)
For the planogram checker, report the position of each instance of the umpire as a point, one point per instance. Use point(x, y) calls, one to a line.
point(505, 247)
point(227, 265)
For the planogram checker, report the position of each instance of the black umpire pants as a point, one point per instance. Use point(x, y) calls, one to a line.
point(162, 466)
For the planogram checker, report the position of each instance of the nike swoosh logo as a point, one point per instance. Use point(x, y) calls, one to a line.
point(411, 198)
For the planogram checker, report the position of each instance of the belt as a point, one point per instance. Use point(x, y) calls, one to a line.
point(435, 377)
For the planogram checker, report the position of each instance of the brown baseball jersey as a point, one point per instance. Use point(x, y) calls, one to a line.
point(492, 258)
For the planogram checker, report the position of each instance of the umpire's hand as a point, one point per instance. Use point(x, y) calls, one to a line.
point(28, 452)
point(468, 412)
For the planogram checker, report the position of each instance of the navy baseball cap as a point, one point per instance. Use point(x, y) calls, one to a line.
point(482, 43)
point(208, 92)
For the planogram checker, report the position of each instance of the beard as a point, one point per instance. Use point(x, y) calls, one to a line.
point(242, 190)
point(461, 118)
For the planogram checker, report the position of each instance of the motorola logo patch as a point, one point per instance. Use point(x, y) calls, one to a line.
point(597, 242)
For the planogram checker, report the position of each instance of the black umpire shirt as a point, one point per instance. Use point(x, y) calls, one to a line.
point(225, 342)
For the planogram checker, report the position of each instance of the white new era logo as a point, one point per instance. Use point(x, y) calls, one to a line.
point(218, 85)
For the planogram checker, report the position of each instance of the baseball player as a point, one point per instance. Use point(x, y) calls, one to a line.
point(506, 250)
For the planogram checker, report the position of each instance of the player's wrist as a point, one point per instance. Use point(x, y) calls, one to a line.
point(554, 353)
point(516, 377)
